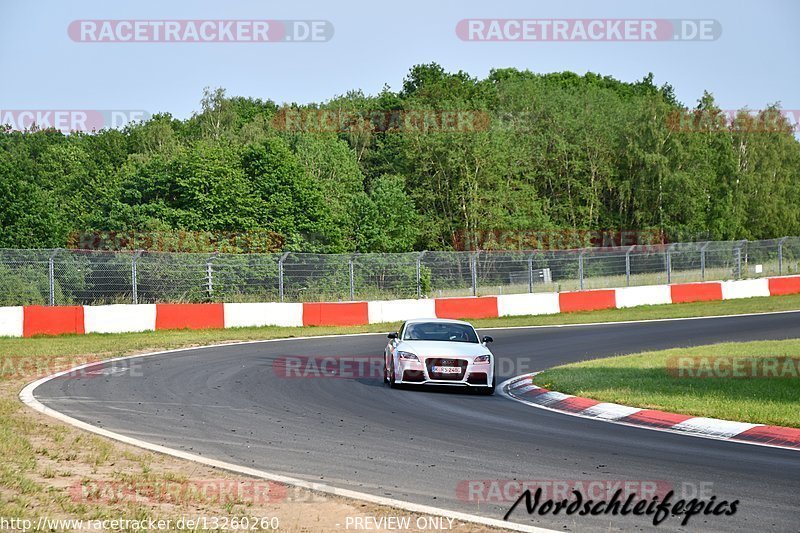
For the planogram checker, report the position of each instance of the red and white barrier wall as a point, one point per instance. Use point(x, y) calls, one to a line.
point(33, 320)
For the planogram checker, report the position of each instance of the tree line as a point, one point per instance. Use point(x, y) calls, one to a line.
point(446, 155)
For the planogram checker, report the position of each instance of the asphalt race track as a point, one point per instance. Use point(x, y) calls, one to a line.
point(229, 403)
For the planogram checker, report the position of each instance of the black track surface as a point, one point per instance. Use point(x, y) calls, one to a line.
point(229, 403)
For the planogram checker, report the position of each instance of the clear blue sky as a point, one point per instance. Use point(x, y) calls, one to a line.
point(752, 64)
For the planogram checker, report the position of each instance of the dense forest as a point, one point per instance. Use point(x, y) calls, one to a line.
point(555, 152)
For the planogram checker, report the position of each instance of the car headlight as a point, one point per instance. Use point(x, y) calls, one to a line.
point(407, 356)
point(481, 359)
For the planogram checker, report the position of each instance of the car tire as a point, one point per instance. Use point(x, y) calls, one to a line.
point(392, 383)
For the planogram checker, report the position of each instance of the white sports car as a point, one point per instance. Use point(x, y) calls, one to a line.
point(436, 351)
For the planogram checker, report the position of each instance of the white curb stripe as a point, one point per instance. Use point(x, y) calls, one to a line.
point(695, 431)
point(549, 398)
point(523, 390)
point(713, 426)
point(520, 383)
point(610, 411)
point(27, 397)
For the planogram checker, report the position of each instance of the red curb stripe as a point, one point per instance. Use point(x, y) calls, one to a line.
point(651, 418)
point(695, 292)
point(574, 404)
point(656, 419)
point(480, 307)
point(42, 320)
point(190, 316)
point(778, 286)
point(775, 435)
point(570, 302)
point(336, 314)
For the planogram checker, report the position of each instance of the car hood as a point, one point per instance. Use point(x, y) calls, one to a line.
point(443, 348)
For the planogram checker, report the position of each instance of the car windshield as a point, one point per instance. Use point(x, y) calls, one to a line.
point(440, 331)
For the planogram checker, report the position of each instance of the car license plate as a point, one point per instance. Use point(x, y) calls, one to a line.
point(447, 369)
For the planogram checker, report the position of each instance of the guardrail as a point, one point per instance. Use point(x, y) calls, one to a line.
point(26, 321)
point(85, 277)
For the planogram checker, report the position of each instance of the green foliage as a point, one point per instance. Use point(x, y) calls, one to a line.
point(23, 285)
point(539, 152)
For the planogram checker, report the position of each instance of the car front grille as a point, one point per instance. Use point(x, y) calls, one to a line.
point(445, 361)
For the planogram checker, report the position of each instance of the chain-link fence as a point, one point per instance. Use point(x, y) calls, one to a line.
point(63, 277)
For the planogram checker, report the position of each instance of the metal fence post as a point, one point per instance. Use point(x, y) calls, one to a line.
point(668, 263)
point(496, 270)
point(530, 273)
point(739, 258)
point(474, 269)
point(780, 255)
point(352, 280)
point(135, 276)
point(51, 275)
point(419, 273)
point(280, 274)
point(703, 261)
point(628, 266)
point(209, 276)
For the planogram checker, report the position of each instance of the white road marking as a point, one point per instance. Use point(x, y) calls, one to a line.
point(27, 397)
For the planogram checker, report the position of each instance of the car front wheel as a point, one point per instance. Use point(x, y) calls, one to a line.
point(389, 373)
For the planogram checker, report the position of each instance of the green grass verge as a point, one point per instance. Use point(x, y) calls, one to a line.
point(643, 380)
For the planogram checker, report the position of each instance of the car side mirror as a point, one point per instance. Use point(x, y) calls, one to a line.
point(392, 335)
point(487, 339)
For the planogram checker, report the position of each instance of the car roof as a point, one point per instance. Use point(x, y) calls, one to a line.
point(440, 320)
